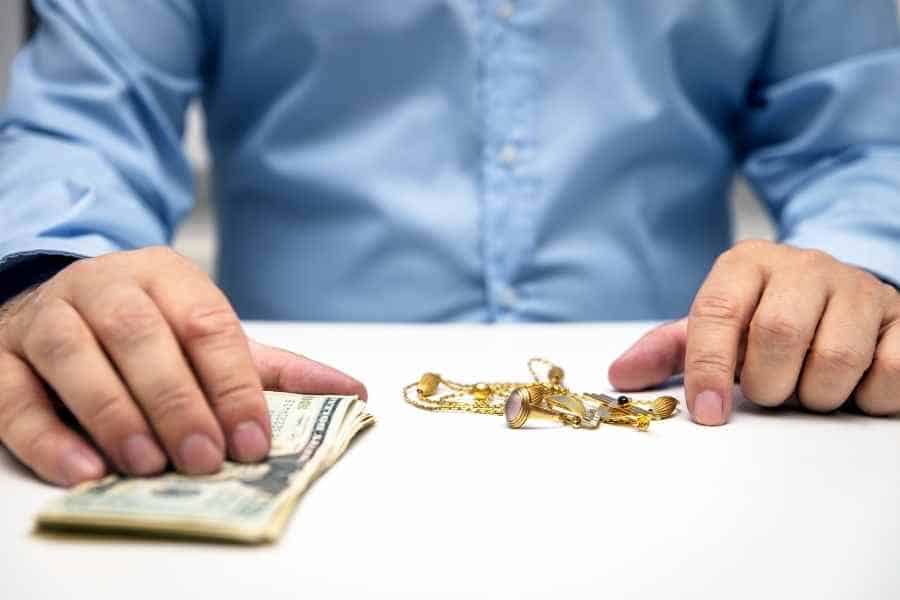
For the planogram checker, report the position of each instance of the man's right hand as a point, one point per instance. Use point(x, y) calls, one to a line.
point(149, 357)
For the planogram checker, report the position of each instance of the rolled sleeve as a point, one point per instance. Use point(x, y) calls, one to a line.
point(90, 139)
point(821, 134)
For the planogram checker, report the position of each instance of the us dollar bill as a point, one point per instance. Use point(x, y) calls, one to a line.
point(242, 502)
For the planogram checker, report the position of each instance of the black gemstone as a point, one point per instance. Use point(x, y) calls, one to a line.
point(622, 400)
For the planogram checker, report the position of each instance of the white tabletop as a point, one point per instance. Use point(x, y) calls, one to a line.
point(424, 505)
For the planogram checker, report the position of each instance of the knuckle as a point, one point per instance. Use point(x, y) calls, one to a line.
point(891, 295)
point(751, 246)
point(11, 409)
point(159, 253)
point(868, 279)
point(172, 403)
point(129, 318)
point(710, 363)
point(162, 255)
point(778, 331)
point(841, 358)
point(810, 258)
point(733, 255)
point(879, 294)
point(715, 307)
point(210, 321)
point(107, 412)
point(40, 442)
point(872, 290)
point(54, 335)
point(84, 268)
point(235, 397)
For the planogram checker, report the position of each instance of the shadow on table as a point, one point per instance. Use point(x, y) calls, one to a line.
point(793, 409)
point(790, 409)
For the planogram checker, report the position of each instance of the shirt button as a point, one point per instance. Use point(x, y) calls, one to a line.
point(507, 297)
point(509, 154)
point(506, 9)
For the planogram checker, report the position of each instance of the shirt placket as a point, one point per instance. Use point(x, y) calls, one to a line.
point(509, 92)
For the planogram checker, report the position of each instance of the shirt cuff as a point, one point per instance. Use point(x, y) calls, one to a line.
point(27, 270)
point(30, 261)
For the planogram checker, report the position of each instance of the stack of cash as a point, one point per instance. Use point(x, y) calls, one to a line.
point(243, 503)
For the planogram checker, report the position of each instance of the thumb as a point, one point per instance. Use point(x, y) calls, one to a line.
point(654, 358)
point(284, 371)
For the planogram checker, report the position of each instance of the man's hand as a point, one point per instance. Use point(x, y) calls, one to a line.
point(787, 321)
point(150, 359)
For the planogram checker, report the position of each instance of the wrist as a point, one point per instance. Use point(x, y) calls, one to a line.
point(11, 306)
point(21, 273)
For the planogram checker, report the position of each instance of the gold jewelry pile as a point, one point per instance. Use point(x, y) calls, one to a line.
point(548, 399)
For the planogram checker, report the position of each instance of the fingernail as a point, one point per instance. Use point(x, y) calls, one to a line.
point(199, 455)
point(248, 442)
point(142, 455)
point(78, 466)
point(708, 408)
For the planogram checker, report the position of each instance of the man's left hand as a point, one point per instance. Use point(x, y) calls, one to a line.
point(788, 322)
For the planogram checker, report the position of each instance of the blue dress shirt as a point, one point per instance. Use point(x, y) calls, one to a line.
point(481, 160)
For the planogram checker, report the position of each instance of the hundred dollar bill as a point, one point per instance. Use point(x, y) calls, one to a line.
point(242, 502)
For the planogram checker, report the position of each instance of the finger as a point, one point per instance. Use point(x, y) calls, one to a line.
point(717, 321)
point(214, 341)
point(779, 336)
point(61, 348)
point(33, 432)
point(653, 359)
point(842, 349)
point(285, 371)
point(141, 344)
point(878, 394)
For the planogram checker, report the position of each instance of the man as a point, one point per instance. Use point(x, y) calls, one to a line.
point(486, 160)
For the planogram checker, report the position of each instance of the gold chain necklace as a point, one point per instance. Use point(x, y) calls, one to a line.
point(547, 399)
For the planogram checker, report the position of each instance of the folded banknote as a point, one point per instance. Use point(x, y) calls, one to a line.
point(242, 502)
